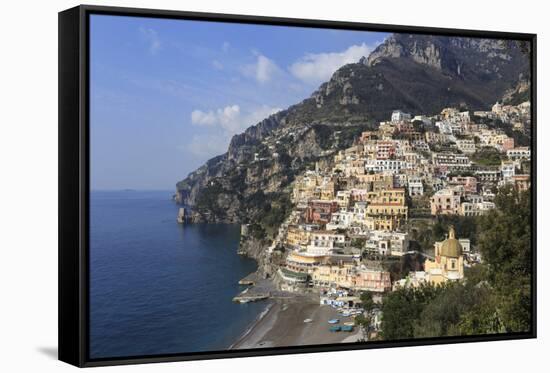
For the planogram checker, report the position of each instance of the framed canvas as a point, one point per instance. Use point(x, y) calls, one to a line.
point(234, 186)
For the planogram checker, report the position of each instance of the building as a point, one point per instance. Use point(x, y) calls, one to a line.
point(415, 187)
point(466, 146)
point(522, 182)
point(346, 274)
point(297, 236)
point(469, 183)
point(303, 262)
point(340, 220)
point(475, 208)
point(323, 242)
point(488, 176)
point(399, 116)
point(385, 149)
point(519, 153)
point(319, 211)
point(446, 201)
point(386, 209)
point(387, 243)
point(508, 170)
point(451, 160)
point(372, 280)
point(449, 261)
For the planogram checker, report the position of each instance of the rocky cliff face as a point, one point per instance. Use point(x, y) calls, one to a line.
point(416, 73)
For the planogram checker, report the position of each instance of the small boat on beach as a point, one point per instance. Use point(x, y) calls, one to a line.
point(335, 328)
point(347, 328)
point(308, 320)
point(334, 321)
point(349, 323)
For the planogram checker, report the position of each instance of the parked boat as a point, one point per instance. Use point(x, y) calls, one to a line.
point(335, 328)
point(308, 320)
point(334, 321)
point(347, 328)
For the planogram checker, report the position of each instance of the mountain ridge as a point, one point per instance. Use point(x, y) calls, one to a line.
point(421, 74)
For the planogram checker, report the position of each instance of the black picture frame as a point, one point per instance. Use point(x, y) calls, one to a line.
point(74, 183)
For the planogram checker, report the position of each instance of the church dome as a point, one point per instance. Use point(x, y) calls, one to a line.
point(451, 247)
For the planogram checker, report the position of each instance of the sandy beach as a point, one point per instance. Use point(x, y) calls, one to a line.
point(283, 325)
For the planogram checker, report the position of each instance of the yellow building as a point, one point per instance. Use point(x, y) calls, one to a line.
point(328, 191)
point(386, 209)
point(302, 262)
point(296, 236)
point(339, 274)
point(449, 261)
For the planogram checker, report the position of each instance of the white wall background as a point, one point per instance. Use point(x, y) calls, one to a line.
point(28, 183)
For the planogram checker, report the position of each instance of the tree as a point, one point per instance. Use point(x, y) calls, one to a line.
point(495, 296)
point(505, 245)
point(367, 302)
point(401, 310)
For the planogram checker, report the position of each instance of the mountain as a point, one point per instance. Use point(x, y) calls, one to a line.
point(420, 74)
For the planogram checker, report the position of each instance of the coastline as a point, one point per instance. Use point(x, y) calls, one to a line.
point(282, 324)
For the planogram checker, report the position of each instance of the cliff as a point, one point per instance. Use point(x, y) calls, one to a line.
point(421, 74)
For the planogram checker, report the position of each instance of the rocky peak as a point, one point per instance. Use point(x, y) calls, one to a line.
point(423, 49)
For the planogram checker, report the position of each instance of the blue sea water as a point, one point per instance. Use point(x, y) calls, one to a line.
point(158, 287)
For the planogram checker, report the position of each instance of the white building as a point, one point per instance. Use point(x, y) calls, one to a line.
point(518, 153)
point(322, 242)
point(399, 116)
point(340, 220)
point(415, 187)
point(466, 146)
point(508, 170)
point(387, 243)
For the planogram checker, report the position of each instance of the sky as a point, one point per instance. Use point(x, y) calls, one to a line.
point(167, 95)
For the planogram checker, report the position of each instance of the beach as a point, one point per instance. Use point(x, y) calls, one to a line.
point(282, 324)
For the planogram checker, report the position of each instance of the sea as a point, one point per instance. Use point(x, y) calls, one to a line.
point(158, 287)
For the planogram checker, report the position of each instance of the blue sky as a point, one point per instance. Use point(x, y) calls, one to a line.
point(167, 95)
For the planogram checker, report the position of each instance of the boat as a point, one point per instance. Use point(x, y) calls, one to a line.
point(347, 328)
point(308, 320)
point(333, 321)
point(335, 328)
point(349, 323)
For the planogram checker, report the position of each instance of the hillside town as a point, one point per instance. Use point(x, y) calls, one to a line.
point(353, 215)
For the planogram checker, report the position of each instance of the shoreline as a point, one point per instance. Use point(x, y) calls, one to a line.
point(282, 325)
point(241, 338)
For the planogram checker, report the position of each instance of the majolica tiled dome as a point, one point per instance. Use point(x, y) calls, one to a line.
point(451, 247)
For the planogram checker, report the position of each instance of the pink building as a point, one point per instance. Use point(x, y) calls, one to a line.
point(385, 149)
point(372, 280)
point(320, 212)
point(359, 195)
point(446, 201)
point(468, 182)
point(508, 144)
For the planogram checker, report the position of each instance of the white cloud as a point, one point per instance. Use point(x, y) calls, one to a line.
point(152, 38)
point(226, 46)
point(220, 125)
point(230, 118)
point(314, 68)
point(263, 70)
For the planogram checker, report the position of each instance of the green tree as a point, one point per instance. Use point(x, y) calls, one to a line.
point(505, 245)
point(367, 302)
